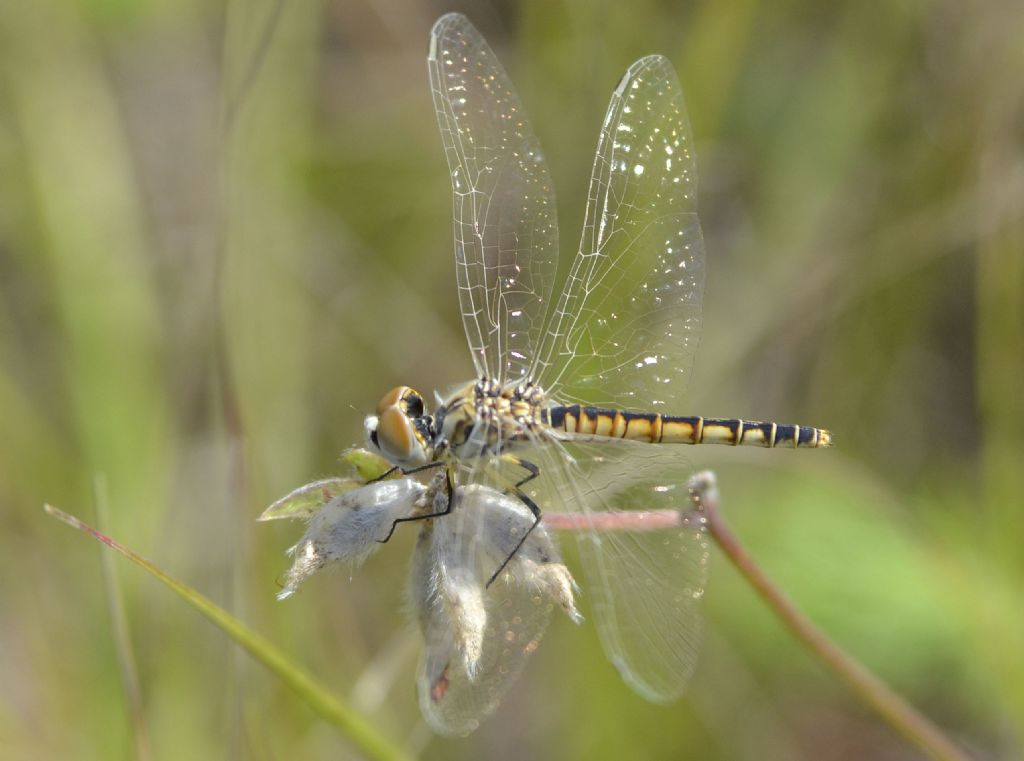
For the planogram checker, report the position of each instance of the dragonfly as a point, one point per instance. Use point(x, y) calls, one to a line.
point(575, 406)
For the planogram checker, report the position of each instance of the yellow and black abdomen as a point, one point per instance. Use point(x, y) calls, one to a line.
point(656, 428)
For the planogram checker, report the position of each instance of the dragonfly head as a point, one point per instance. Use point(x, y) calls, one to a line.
point(401, 431)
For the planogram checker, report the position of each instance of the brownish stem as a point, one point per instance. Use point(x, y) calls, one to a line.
point(893, 709)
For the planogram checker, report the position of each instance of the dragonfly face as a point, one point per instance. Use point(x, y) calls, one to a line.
point(402, 432)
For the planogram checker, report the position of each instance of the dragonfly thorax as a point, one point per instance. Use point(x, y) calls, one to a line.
point(484, 417)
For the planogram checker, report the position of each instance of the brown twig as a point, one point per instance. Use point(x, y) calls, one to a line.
point(893, 709)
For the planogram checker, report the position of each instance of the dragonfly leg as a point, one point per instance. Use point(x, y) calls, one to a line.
point(383, 475)
point(533, 507)
point(449, 488)
point(532, 471)
point(410, 472)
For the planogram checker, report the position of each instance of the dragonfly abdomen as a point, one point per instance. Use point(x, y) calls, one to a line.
point(656, 428)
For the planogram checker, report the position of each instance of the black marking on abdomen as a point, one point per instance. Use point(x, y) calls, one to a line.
point(786, 434)
point(678, 429)
point(765, 429)
point(555, 416)
point(650, 417)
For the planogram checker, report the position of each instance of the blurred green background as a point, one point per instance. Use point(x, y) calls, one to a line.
point(225, 232)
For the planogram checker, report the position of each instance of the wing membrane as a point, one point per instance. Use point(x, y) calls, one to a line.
point(645, 586)
point(628, 319)
point(506, 232)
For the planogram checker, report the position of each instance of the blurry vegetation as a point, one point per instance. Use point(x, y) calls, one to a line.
point(225, 231)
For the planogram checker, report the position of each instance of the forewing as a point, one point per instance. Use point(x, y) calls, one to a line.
point(645, 586)
point(627, 322)
point(506, 231)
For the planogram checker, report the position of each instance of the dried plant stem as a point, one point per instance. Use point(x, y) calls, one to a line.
point(893, 709)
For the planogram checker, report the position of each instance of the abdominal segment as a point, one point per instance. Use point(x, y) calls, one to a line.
point(656, 428)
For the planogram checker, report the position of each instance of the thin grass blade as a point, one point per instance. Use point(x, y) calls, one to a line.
point(351, 723)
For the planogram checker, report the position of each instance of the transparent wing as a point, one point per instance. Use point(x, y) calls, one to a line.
point(477, 638)
point(645, 585)
point(627, 322)
point(506, 231)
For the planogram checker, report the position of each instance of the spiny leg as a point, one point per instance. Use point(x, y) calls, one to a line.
point(532, 472)
point(410, 472)
point(383, 475)
point(449, 488)
point(537, 515)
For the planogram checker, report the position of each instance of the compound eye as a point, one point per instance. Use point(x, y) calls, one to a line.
point(397, 431)
point(391, 398)
point(395, 435)
point(412, 403)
